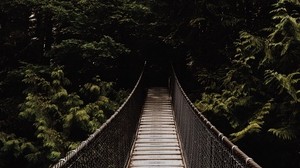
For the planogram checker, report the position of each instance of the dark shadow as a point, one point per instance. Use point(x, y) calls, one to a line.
point(157, 72)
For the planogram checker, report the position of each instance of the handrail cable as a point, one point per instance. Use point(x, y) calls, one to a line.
point(109, 146)
point(203, 144)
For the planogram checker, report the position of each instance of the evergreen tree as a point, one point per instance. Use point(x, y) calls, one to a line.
point(44, 114)
point(258, 94)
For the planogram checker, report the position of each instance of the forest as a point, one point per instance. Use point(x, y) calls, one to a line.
point(67, 65)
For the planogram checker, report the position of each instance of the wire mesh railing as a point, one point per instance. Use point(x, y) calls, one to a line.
point(202, 144)
point(110, 145)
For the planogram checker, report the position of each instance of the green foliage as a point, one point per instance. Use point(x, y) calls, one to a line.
point(19, 147)
point(94, 52)
point(208, 29)
point(42, 43)
point(283, 40)
point(254, 99)
point(263, 79)
point(107, 48)
point(245, 58)
point(225, 103)
point(60, 119)
point(285, 83)
point(284, 133)
point(255, 123)
point(15, 145)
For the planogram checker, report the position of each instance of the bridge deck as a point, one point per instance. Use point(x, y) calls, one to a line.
point(157, 142)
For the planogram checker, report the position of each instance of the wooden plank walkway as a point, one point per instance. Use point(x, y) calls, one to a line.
point(157, 142)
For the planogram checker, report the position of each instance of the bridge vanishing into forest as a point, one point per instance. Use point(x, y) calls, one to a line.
point(157, 127)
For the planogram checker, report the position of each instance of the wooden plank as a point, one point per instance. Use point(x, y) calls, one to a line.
point(157, 132)
point(156, 110)
point(158, 113)
point(157, 126)
point(156, 140)
point(157, 123)
point(156, 157)
point(158, 152)
point(157, 166)
point(158, 136)
point(157, 129)
point(158, 107)
point(161, 105)
point(155, 113)
point(167, 116)
point(157, 162)
point(168, 129)
point(156, 148)
point(156, 144)
point(157, 119)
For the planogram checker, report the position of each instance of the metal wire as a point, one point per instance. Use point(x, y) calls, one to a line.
point(109, 146)
point(203, 145)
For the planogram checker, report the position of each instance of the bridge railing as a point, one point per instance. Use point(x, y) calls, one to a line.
point(202, 144)
point(110, 145)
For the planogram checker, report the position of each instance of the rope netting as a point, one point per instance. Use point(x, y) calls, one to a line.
point(110, 145)
point(202, 144)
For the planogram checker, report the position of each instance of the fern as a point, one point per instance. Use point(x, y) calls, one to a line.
point(209, 79)
point(250, 43)
point(252, 127)
point(225, 103)
point(34, 157)
point(284, 37)
point(285, 133)
point(255, 123)
point(284, 82)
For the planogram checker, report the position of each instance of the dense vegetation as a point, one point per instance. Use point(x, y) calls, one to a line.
point(63, 70)
point(64, 64)
point(245, 58)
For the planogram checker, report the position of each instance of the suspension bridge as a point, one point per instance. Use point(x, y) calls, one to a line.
point(157, 127)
